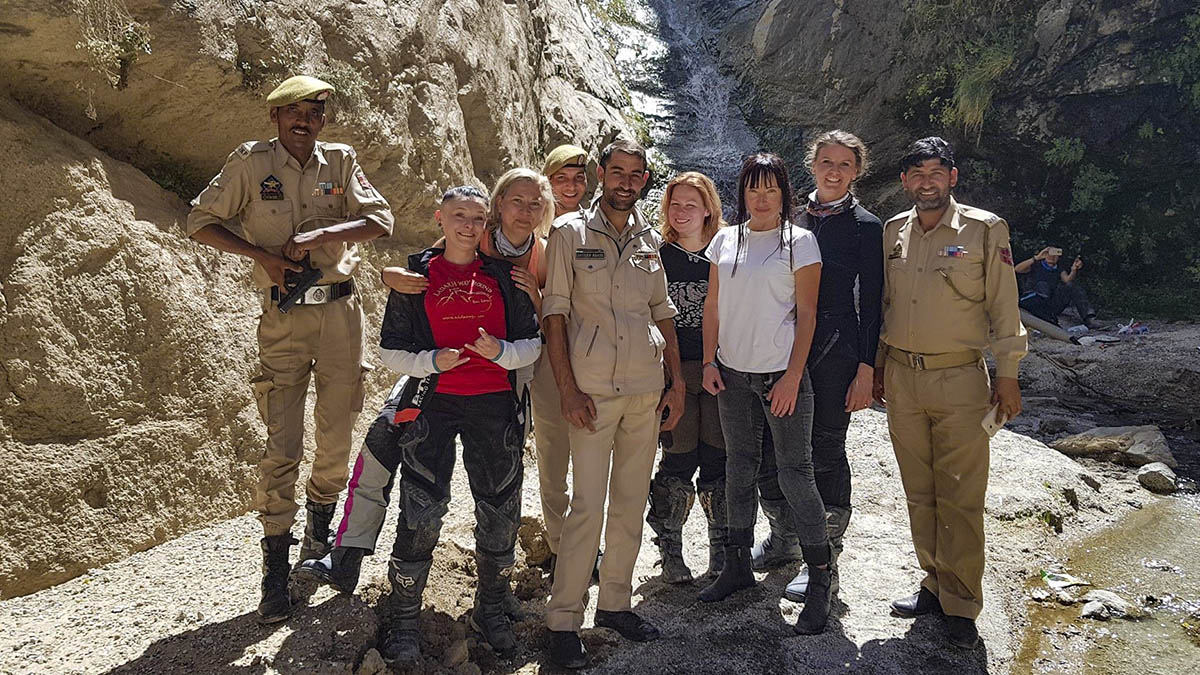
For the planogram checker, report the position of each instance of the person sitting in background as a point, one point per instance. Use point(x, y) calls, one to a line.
point(1051, 289)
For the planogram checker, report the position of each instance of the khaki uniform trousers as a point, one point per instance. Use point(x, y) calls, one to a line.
point(934, 418)
point(325, 340)
point(625, 438)
point(553, 446)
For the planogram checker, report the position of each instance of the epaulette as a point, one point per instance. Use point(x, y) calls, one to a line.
point(568, 218)
point(986, 217)
point(246, 149)
point(338, 147)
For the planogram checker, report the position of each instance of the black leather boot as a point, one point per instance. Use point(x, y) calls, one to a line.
point(340, 568)
point(275, 605)
point(836, 521)
point(782, 546)
point(671, 500)
point(815, 614)
point(737, 573)
point(316, 530)
point(713, 502)
point(401, 644)
point(488, 617)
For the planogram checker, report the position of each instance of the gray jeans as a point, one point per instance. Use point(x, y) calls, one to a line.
point(743, 407)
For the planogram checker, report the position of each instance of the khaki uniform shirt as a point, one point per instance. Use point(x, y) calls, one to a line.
point(953, 288)
point(276, 197)
point(612, 288)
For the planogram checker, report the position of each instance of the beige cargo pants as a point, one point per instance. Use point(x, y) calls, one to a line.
point(326, 341)
point(553, 444)
point(934, 418)
point(624, 443)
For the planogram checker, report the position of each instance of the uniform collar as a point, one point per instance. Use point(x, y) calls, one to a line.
point(281, 155)
point(600, 223)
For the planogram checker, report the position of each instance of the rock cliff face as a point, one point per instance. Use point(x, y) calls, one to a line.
point(125, 414)
point(1075, 119)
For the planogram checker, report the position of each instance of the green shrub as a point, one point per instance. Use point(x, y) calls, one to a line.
point(976, 85)
point(111, 38)
point(1065, 152)
point(1092, 186)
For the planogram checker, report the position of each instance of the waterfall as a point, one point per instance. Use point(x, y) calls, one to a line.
point(671, 68)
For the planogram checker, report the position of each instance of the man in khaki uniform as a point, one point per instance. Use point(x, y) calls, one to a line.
point(608, 325)
point(949, 292)
point(298, 197)
point(564, 167)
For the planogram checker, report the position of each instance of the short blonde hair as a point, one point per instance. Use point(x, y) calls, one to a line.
point(708, 194)
point(542, 229)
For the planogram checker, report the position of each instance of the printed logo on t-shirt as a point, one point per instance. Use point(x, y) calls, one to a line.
point(466, 294)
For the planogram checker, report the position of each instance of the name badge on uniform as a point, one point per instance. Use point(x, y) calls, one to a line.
point(589, 254)
point(270, 189)
point(952, 252)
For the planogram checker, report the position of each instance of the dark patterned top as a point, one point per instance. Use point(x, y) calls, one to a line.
point(687, 284)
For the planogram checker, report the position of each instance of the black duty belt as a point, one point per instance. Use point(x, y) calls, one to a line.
point(319, 295)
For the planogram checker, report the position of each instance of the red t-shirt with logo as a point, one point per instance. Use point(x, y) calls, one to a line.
point(461, 299)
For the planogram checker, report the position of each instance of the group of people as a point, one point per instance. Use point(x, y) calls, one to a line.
point(741, 349)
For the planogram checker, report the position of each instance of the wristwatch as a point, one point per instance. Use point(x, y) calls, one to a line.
point(711, 363)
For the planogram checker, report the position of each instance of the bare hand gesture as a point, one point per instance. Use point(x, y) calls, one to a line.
point(672, 402)
point(877, 391)
point(1007, 393)
point(449, 359)
point(1077, 265)
point(858, 396)
point(783, 394)
point(711, 380)
point(527, 282)
point(301, 243)
point(403, 281)
point(579, 409)
point(1042, 254)
point(276, 266)
point(486, 346)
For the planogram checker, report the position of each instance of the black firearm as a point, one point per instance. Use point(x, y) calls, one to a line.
point(297, 284)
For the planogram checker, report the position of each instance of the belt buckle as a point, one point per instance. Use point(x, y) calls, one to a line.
point(916, 361)
point(315, 295)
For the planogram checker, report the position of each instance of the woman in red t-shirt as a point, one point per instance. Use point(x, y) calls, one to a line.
point(458, 344)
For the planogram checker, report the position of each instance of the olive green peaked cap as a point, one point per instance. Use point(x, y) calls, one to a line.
point(564, 155)
point(299, 88)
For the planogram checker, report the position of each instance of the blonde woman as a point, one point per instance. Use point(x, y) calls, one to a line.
point(690, 215)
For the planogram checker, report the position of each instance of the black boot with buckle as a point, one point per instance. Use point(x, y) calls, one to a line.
point(316, 530)
point(671, 500)
point(488, 616)
point(401, 644)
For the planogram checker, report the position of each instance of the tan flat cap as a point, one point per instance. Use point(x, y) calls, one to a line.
point(299, 88)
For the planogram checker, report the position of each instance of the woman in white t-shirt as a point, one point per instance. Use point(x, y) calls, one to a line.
point(759, 318)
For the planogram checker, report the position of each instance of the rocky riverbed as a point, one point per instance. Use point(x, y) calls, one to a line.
point(186, 606)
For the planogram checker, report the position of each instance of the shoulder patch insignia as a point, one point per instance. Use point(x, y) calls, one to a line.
point(362, 180)
point(1006, 255)
point(270, 189)
point(897, 251)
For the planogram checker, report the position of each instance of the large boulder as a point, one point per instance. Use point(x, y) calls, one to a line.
point(125, 415)
point(1133, 446)
point(124, 409)
point(1158, 477)
point(432, 93)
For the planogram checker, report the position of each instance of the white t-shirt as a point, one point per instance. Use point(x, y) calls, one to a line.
point(757, 306)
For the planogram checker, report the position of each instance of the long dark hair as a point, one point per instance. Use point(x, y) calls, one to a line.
point(755, 170)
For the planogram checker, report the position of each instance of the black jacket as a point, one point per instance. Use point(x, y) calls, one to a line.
point(851, 246)
point(406, 325)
